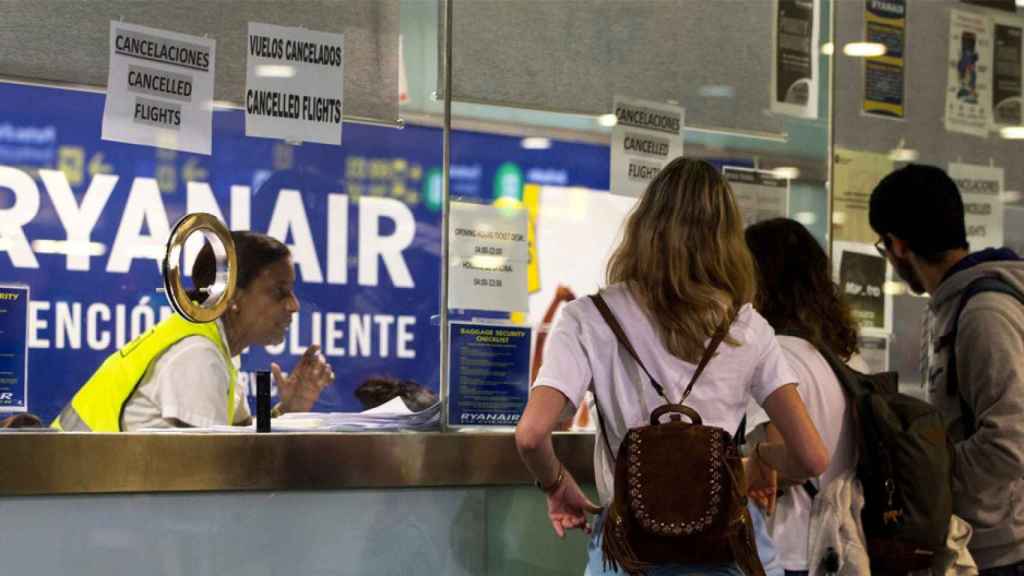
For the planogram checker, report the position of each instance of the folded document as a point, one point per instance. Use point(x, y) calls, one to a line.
point(392, 415)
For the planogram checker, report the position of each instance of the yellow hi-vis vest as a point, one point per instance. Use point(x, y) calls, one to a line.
point(98, 405)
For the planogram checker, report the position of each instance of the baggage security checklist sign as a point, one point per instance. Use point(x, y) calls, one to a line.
point(294, 84)
point(13, 348)
point(159, 89)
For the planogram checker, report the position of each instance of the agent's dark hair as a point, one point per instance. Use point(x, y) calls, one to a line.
point(254, 252)
point(922, 206)
point(795, 289)
point(376, 391)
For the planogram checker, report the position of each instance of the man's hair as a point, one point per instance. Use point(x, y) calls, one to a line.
point(921, 205)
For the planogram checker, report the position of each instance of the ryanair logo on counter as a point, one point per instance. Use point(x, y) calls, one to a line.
point(486, 418)
point(9, 296)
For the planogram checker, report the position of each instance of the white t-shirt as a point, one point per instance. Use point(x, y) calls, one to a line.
point(187, 383)
point(826, 405)
point(583, 354)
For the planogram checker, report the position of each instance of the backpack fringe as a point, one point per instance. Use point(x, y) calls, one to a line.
point(617, 553)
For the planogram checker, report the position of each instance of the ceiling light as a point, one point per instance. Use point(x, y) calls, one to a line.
point(903, 155)
point(786, 172)
point(1012, 132)
point(828, 48)
point(864, 49)
point(607, 120)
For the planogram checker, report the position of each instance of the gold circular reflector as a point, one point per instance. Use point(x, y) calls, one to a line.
point(223, 288)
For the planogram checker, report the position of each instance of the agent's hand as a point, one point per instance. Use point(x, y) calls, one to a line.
point(300, 389)
point(568, 507)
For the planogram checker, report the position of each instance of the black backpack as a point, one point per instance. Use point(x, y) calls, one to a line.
point(983, 284)
point(905, 465)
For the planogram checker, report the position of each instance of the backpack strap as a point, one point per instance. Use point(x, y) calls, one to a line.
point(983, 284)
point(851, 390)
point(620, 335)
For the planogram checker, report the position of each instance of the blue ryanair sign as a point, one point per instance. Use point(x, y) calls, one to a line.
point(83, 222)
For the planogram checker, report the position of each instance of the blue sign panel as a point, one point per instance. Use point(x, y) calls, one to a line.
point(489, 374)
point(85, 223)
point(13, 348)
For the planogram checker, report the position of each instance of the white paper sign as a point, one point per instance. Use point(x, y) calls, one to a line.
point(294, 84)
point(490, 255)
point(969, 80)
point(982, 190)
point(159, 89)
point(648, 136)
point(759, 195)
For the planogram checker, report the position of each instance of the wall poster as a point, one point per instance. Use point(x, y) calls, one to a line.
point(855, 175)
point(969, 80)
point(1006, 71)
point(794, 89)
point(861, 273)
point(885, 22)
point(982, 190)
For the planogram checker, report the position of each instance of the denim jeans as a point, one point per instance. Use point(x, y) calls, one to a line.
point(1011, 570)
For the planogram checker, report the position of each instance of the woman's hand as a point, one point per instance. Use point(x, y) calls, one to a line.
point(300, 389)
point(762, 484)
point(568, 507)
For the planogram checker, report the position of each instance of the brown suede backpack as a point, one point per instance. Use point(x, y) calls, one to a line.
point(680, 493)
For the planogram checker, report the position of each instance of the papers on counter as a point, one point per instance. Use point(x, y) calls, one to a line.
point(392, 415)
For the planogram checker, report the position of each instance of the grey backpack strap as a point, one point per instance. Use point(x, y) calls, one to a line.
point(984, 284)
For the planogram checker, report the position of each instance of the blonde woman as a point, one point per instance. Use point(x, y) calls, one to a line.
point(680, 271)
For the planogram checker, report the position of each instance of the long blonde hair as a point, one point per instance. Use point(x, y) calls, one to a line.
point(684, 258)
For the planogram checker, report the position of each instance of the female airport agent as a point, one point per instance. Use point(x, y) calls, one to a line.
point(181, 374)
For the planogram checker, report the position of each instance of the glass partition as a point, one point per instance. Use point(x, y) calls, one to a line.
point(945, 92)
point(536, 88)
point(85, 215)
